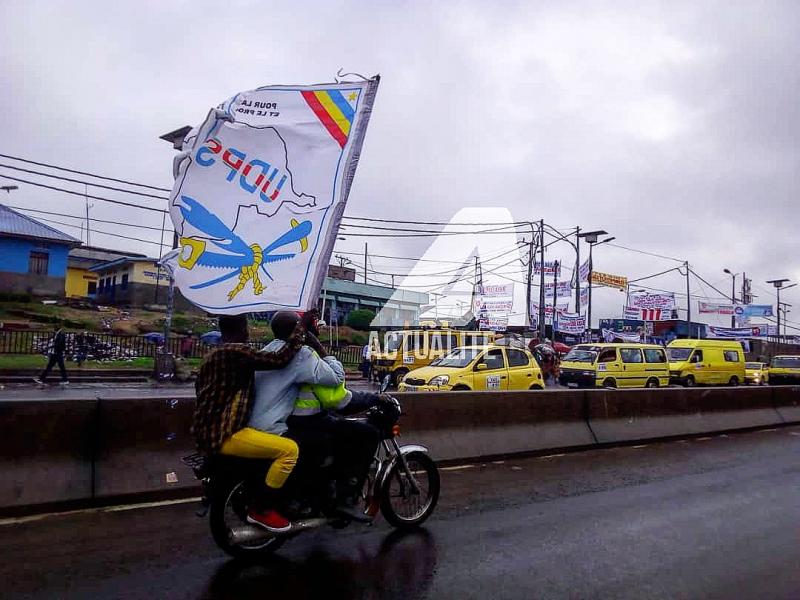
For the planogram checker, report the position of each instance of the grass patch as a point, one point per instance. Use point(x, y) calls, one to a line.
point(36, 361)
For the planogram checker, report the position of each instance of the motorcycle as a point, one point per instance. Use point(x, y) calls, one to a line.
point(402, 484)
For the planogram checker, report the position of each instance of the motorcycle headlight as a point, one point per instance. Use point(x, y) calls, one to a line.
point(439, 380)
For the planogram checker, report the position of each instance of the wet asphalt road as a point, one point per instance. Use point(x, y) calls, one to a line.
point(712, 517)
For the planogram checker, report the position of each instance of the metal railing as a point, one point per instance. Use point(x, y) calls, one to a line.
point(109, 346)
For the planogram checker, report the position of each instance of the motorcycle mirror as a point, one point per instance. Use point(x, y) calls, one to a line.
point(385, 383)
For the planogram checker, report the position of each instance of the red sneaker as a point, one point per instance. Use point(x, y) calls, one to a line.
point(271, 520)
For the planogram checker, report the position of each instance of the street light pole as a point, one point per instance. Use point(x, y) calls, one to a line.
point(578, 271)
point(778, 284)
point(733, 296)
point(591, 239)
point(542, 330)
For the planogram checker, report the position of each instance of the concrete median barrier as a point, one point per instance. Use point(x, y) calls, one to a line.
point(46, 451)
point(102, 449)
point(140, 443)
point(787, 402)
point(630, 415)
point(463, 425)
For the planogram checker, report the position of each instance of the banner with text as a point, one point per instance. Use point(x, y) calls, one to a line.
point(551, 268)
point(645, 299)
point(623, 336)
point(755, 310)
point(646, 314)
point(501, 290)
point(615, 281)
point(562, 289)
point(260, 189)
point(757, 331)
point(570, 323)
point(715, 308)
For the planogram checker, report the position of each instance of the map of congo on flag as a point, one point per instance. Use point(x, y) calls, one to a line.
point(260, 189)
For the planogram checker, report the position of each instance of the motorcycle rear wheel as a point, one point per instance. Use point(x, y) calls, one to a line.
point(229, 509)
point(400, 506)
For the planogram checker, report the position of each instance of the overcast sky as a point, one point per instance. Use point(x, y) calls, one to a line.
point(674, 126)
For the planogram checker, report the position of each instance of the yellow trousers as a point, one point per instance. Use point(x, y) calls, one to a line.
point(252, 443)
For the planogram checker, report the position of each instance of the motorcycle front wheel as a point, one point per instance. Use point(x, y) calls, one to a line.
point(401, 505)
point(229, 507)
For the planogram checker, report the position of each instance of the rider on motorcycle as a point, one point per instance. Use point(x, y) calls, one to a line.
point(306, 400)
point(225, 398)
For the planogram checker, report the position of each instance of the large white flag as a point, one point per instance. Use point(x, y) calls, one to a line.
point(260, 189)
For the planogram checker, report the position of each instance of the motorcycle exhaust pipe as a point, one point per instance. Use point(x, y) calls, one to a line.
point(247, 534)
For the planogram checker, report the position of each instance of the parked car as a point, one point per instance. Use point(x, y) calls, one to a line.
point(477, 368)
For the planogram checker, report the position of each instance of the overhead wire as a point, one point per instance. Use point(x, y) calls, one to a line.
point(97, 185)
point(95, 219)
point(83, 195)
point(101, 232)
point(96, 176)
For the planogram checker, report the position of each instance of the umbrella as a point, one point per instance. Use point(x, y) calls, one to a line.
point(154, 338)
point(212, 338)
point(561, 348)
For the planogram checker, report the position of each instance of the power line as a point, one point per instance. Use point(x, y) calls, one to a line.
point(646, 253)
point(47, 212)
point(41, 164)
point(376, 220)
point(50, 187)
point(711, 286)
point(651, 276)
point(117, 235)
point(99, 185)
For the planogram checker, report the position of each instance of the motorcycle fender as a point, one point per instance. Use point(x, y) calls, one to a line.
point(403, 450)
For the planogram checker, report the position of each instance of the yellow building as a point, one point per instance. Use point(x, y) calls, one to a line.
point(81, 281)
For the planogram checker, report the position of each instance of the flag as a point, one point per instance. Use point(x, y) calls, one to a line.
point(260, 188)
point(584, 297)
point(583, 271)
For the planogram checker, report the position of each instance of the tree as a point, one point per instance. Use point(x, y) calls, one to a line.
point(360, 319)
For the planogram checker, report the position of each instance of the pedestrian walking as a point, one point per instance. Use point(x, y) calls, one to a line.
point(187, 344)
point(58, 347)
point(366, 363)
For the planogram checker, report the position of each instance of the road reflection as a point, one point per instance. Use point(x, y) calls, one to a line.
point(403, 567)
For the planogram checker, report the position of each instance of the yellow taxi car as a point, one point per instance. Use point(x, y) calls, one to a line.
point(615, 365)
point(784, 370)
point(409, 349)
point(477, 368)
point(756, 373)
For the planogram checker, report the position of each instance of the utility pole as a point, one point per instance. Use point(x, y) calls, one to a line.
point(688, 304)
point(578, 271)
point(529, 320)
point(733, 295)
point(778, 284)
point(555, 293)
point(542, 330)
point(785, 311)
point(86, 202)
point(365, 262)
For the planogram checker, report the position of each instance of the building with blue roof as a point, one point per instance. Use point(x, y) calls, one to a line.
point(33, 256)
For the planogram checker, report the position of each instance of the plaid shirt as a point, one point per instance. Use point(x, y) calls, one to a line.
point(225, 388)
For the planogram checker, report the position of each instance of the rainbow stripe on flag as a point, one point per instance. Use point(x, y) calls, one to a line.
point(333, 110)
